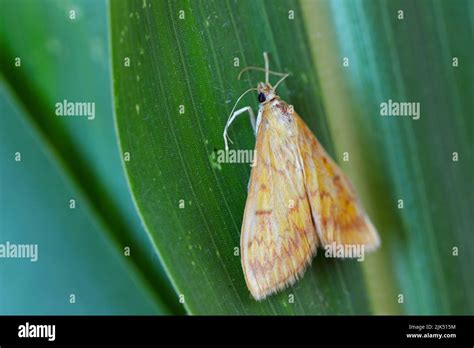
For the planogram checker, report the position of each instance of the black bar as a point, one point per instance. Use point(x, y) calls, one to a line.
point(137, 330)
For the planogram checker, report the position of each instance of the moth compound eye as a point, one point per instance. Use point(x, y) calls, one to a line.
point(261, 97)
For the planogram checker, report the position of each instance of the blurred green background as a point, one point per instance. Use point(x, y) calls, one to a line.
point(188, 60)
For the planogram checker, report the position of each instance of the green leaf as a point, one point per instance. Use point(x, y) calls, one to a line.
point(69, 59)
point(190, 62)
point(75, 262)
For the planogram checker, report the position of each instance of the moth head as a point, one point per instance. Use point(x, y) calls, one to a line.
point(265, 92)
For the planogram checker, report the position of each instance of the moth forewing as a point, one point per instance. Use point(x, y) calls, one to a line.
point(278, 237)
point(335, 206)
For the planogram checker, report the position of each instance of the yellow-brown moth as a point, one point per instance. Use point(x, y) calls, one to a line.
point(298, 198)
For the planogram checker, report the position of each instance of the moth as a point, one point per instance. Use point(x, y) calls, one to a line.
point(298, 198)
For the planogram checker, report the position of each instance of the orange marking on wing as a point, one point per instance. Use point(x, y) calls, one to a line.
point(263, 212)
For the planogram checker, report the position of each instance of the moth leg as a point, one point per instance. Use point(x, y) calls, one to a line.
point(232, 118)
point(252, 120)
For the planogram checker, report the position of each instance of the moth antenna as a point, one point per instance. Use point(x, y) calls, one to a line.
point(231, 117)
point(281, 80)
point(267, 67)
point(258, 69)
